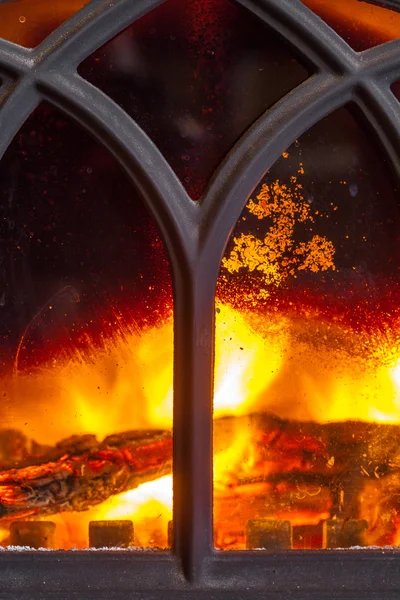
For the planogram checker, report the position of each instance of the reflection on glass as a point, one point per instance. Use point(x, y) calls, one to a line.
point(29, 22)
point(195, 74)
point(307, 390)
point(85, 348)
point(363, 24)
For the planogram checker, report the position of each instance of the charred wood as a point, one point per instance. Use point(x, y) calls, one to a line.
point(84, 473)
point(290, 459)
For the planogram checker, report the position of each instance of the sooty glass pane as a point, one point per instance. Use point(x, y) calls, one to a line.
point(361, 24)
point(85, 348)
point(28, 22)
point(195, 74)
point(396, 89)
point(307, 389)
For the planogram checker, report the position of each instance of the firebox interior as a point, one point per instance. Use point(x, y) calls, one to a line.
point(306, 366)
point(86, 345)
point(307, 355)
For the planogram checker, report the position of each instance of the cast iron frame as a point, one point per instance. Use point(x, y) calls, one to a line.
point(195, 234)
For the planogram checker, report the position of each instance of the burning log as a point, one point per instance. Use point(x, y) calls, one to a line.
point(339, 457)
point(305, 472)
point(17, 450)
point(82, 473)
point(294, 464)
point(324, 449)
point(15, 447)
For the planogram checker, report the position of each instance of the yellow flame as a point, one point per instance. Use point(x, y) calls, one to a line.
point(296, 368)
point(124, 384)
point(245, 361)
point(389, 406)
point(263, 362)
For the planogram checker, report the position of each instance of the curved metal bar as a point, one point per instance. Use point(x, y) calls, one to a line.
point(316, 41)
point(177, 217)
point(164, 194)
point(389, 4)
point(194, 291)
point(196, 235)
point(14, 59)
point(382, 111)
point(381, 61)
point(262, 144)
point(87, 30)
point(259, 148)
point(17, 102)
point(76, 38)
point(250, 158)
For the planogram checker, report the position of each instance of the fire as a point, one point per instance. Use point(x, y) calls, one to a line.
point(393, 411)
point(296, 388)
point(263, 363)
point(149, 506)
point(300, 369)
point(102, 388)
point(241, 356)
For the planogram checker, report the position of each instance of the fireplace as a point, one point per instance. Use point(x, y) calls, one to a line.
point(200, 363)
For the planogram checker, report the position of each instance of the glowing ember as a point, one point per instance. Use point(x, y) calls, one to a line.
point(278, 256)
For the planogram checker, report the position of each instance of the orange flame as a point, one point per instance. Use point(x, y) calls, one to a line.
point(262, 364)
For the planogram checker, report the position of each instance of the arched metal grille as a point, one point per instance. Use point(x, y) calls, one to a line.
point(196, 234)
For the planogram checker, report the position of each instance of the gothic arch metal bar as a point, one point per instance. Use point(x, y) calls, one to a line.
point(19, 101)
point(382, 61)
point(299, 110)
point(259, 148)
point(177, 217)
point(307, 33)
point(382, 112)
point(201, 229)
point(141, 159)
point(88, 29)
point(14, 59)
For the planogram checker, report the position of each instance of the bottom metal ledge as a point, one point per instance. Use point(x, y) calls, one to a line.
point(128, 575)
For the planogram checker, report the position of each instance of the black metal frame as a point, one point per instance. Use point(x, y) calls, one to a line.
point(195, 235)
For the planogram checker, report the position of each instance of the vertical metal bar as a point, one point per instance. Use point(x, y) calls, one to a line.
point(193, 385)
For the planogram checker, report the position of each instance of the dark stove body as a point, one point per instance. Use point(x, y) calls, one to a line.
point(195, 235)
